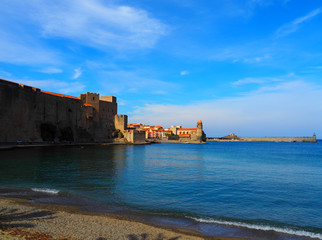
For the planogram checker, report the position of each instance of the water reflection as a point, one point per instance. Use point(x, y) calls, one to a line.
point(90, 169)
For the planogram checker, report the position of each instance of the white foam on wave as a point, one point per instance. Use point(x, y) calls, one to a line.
point(45, 190)
point(300, 233)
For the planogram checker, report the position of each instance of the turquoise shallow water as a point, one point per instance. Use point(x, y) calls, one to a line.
point(274, 187)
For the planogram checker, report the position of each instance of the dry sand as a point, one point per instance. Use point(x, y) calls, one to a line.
point(21, 220)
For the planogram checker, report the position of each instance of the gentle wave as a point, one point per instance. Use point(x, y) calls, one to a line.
point(300, 233)
point(45, 190)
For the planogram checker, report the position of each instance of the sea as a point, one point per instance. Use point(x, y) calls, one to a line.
point(231, 189)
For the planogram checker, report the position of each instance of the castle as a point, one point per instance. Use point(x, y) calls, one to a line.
point(191, 134)
point(30, 115)
point(172, 134)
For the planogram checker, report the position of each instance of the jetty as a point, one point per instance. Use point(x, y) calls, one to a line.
point(234, 138)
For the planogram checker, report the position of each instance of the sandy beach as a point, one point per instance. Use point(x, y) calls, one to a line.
point(22, 220)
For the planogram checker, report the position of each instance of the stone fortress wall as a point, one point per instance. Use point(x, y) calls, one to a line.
point(30, 115)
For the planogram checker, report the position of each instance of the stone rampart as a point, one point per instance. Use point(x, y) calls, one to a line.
point(30, 115)
point(134, 136)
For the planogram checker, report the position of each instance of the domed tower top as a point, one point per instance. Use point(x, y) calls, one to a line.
point(199, 124)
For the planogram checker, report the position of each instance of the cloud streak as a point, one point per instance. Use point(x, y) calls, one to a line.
point(183, 73)
point(135, 82)
point(264, 80)
point(98, 25)
point(51, 70)
point(77, 73)
point(295, 25)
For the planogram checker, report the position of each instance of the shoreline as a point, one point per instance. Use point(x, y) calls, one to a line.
point(19, 218)
point(8, 146)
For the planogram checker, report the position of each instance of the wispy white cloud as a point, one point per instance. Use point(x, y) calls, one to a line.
point(256, 59)
point(77, 73)
point(251, 81)
point(262, 80)
point(183, 73)
point(4, 74)
point(252, 52)
point(99, 25)
point(278, 110)
point(120, 81)
point(26, 27)
point(51, 70)
point(295, 25)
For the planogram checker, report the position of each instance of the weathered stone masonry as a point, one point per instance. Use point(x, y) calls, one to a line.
point(28, 114)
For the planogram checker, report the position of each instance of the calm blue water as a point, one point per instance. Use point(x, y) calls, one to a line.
point(266, 186)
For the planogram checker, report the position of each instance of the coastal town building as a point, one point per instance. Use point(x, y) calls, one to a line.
point(176, 133)
point(186, 132)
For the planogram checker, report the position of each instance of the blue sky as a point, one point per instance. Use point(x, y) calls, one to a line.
point(252, 67)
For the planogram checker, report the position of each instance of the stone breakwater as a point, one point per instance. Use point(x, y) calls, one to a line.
point(266, 139)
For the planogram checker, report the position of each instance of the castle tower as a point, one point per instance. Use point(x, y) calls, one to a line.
point(199, 130)
point(121, 122)
point(91, 98)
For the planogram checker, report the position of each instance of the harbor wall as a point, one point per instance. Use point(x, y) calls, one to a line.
point(134, 136)
point(278, 139)
point(265, 139)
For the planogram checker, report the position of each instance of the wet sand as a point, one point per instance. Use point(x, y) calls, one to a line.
point(22, 220)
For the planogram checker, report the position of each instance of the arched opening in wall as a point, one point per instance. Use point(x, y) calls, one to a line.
point(66, 134)
point(48, 131)
point(69, 110)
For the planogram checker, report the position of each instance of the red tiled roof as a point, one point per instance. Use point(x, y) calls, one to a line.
point(187, 129)
point(59, 95)
point(184, 135)
point(88, 105)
